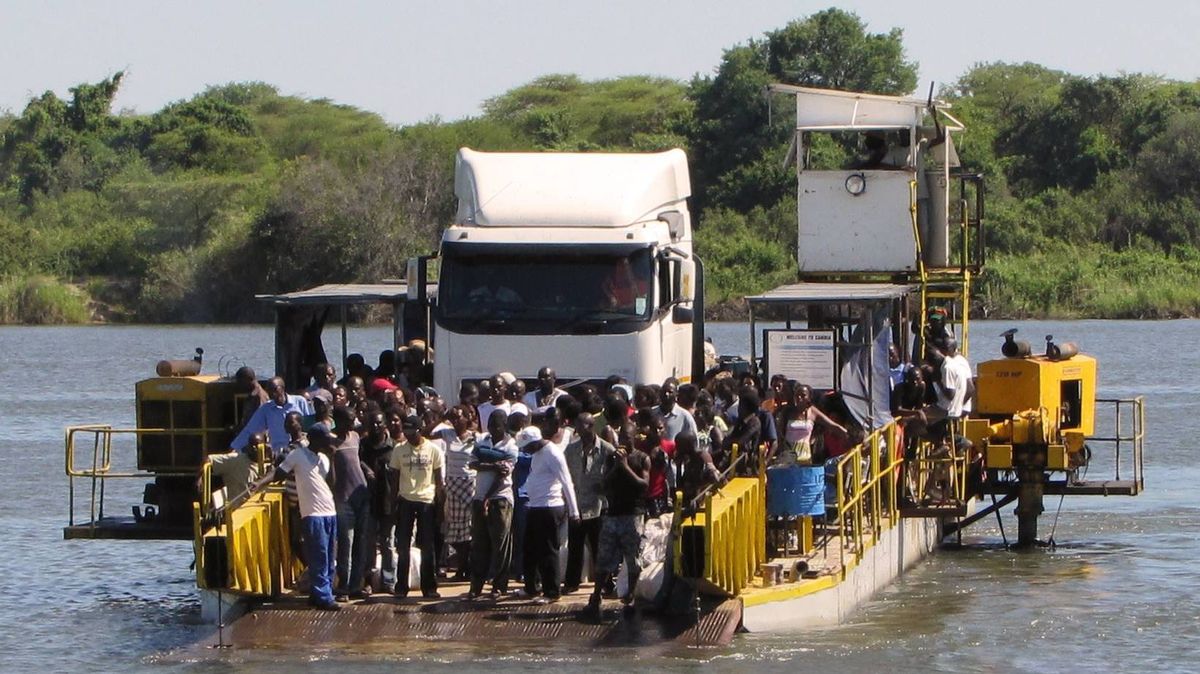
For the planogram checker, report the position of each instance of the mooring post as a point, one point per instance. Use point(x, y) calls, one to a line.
point(1030, 488)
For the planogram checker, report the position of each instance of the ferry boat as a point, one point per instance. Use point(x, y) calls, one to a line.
point(885, 241)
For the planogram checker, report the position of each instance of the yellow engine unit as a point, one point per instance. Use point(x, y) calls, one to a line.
point(1034, 401)
point(200, 412)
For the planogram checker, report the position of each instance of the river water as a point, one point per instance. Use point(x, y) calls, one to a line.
point(1119, 592)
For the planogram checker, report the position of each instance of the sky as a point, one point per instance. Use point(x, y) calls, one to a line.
point(416, 60)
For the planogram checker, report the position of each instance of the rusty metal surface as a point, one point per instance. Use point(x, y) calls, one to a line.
point(382, 626)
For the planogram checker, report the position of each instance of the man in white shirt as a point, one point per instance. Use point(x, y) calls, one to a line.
point(957, 387)
point(551, 503)
point(547, 393)
point(318, 514)
point(497, 388)
point(954, 386)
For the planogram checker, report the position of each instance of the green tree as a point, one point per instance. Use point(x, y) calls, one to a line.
point(833, 50)
point(1168, 165)
point(205, 132)
point(50, 129)
point(563, 112)
point(738, 139)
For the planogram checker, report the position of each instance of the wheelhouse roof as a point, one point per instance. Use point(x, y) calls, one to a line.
point(796, 293)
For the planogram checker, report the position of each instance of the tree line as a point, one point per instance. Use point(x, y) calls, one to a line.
point(184, 214)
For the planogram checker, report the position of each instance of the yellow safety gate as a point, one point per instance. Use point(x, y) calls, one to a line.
point(732, 534)
point(244, 547)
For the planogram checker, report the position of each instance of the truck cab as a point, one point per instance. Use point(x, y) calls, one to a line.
point(582, 262)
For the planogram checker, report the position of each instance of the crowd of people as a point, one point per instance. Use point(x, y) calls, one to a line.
point(490, 486)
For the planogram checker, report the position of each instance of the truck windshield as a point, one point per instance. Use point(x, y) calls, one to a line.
point(555, 289)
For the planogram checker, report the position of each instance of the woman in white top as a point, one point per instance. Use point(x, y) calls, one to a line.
point(797, 422)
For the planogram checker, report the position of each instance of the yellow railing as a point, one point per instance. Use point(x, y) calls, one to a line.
point(938, 475)
point(730, 533)
point(733, 530)
point(244, 547)
point(866, 480)
point(100, 446)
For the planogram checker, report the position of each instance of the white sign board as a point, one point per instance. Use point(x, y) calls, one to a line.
point(804, 355)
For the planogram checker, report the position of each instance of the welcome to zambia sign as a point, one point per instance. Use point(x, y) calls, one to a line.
point(804, 355)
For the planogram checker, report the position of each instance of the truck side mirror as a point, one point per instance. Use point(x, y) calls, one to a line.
point(682, 314)
point(675, 224)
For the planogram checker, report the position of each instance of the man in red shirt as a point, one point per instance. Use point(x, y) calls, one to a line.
point(649, 439)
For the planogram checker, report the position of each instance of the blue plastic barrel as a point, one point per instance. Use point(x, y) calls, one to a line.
point(831, 483)
point(793, 491)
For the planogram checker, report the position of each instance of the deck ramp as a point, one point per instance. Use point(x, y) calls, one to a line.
point(381, 626)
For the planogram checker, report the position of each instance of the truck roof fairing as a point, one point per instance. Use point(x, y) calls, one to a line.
point(531, 189)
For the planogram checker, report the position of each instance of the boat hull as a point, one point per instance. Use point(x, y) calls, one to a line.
point(898, 549)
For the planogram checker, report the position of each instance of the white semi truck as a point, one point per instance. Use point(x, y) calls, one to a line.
point(582, 262)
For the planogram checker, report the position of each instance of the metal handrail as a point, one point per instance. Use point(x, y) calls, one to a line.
point(955, 464)
point(879, 484)
point(101, 469)
point(734, 520)
point(1135, 408)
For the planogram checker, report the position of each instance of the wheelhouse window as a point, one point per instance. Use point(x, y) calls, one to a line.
point(544, 289)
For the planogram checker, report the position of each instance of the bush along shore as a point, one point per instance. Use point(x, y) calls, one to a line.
point(41, 300)
point(184, 214)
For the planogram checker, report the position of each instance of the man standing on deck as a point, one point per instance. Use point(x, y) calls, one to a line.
point(269, 416)
point(546, 394)
point(497, 400)
point(418, 468)
point(626, 479)
point(675, 418)
point(245, 382)
point(587, 456)
point(494, 457)
point(318, 515)
point(551, 504)
point(352, 500)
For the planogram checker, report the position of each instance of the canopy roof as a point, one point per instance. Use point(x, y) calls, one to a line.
point(798, 293)
point(342, 293)
point(828, 109)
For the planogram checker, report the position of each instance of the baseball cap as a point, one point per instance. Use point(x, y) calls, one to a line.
point(320, 430)
point(528, 436)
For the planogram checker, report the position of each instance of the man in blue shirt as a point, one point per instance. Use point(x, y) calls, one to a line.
point(269, 416)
